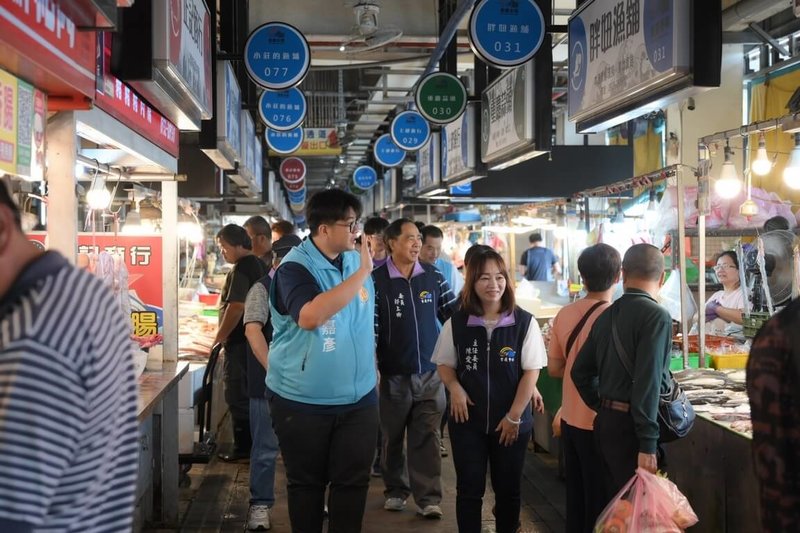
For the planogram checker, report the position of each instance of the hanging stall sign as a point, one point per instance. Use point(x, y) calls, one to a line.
point(318, 142)
point(624, 52)
point(277, 56)
point(259, 162)
point(441, 97)
point(298, 207)
point(284, 142)
point(292, 169)
point(23, 117)
point(365, 177)
point(387, 153)
point(43, 45)
point(142, 256)
point(458, 147)
point(461, 190)
point(245, 172)
point(506, 33)
point(410, 131)
point(229, 136)
point(295, 186)
point(507, 114)
point(182, 55)
point(429, 167)
point(282, 110)
point(119, 100)
point(297, 197)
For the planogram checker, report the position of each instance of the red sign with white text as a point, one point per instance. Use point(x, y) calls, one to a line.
point(123, 103)
point(41, 45)
point(142, 255)
point(292, 169)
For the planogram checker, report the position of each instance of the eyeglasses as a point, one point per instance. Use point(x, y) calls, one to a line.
point(723, 267)
point(351, 226)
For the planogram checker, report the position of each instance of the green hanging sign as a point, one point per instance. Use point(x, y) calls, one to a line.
point(441, 97)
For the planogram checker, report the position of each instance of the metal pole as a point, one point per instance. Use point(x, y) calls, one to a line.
point(682, 263)
point(701, 266)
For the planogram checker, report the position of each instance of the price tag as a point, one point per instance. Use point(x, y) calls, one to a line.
point(506, 33)
point(277, 56)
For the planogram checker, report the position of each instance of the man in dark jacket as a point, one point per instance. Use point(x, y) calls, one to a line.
point(626, 426)
point(409, 298)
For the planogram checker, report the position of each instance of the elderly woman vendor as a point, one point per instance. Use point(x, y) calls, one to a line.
point(725, 307)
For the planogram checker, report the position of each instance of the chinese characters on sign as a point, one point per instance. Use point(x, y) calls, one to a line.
point(277, 56)
point(506, 33)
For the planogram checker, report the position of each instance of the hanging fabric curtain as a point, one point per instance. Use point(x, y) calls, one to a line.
point(768, 98)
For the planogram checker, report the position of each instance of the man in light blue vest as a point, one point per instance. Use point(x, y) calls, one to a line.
point(321, 383)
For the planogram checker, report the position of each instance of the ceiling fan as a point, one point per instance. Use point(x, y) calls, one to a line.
point(367, 34)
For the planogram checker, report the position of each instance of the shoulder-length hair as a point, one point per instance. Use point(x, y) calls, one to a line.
point(470, 302)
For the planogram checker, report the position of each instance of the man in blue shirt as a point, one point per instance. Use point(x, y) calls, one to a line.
point(321, 383)
point(431, 253)
point(538, 263)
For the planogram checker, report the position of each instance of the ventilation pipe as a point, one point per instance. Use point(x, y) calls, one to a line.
point(739, 16)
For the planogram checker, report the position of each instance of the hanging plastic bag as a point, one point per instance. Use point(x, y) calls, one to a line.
point(647, 504)
point(670, 297)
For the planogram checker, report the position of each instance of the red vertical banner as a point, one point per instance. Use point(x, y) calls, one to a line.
point(143, 258)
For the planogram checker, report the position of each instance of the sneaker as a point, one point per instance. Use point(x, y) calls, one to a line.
point(394, 504)
point(431, 512)
point(442, 450)
point(258, 518)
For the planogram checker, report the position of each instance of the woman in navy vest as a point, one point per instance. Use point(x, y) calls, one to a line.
point(488, 356)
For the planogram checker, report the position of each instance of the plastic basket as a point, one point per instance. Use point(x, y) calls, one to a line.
point(676, 363)
point(734, 360)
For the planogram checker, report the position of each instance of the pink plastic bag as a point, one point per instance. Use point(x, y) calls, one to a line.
point(647, 504)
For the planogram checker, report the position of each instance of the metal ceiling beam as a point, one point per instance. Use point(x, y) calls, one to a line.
point(769, 39)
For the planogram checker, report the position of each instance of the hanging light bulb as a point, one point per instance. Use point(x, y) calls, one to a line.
point(761, 164)
point(791, 173)
point(728, 184)
point(651, 213)
point(98, 197)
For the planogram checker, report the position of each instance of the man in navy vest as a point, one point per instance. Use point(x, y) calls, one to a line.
point(413, 299)
point(321, 383)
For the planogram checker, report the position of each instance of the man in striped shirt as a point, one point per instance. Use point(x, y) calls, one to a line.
point(68, 399)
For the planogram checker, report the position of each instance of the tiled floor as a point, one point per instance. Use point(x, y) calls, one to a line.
point(217, 500)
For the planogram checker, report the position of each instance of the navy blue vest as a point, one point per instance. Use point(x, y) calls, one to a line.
point(491, 371)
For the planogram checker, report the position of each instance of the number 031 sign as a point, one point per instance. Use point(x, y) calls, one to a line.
point(506, 33)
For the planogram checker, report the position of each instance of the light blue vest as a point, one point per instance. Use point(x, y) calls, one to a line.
point(335, 363)
point(451, 274)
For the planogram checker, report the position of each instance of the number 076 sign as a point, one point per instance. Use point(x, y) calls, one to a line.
point(506, 33)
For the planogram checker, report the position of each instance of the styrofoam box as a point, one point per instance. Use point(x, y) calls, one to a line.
point(190, 385)
point(186, 430)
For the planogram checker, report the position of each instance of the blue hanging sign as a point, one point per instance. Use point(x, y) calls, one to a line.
point(462, 190)
point(506, 33)
point(410, 131)
point(365, 177)
point(284, 142)
point(277, 56)
point(387, 153)
point(282, 110)
point(297, 196)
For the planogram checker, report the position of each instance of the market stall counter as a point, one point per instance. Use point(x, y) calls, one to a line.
point(713, 465)
point(157, 488)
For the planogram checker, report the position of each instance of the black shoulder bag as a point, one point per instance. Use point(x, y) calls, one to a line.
point(578, 327)
point(675, 412)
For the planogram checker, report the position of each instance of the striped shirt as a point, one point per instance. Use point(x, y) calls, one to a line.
point(68, 404)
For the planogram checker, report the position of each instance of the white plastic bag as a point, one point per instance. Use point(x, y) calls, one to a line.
point(670, 297)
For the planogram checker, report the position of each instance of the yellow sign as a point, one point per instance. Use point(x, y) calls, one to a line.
point(317, 142)
point(22, 121)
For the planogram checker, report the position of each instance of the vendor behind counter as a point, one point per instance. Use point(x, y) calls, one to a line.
point(723, 310)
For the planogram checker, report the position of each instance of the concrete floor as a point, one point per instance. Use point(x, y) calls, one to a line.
point(217, 500)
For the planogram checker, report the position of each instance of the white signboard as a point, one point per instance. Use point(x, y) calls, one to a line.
point(428, 169)
point(507, 114)
point(622, 51)
point(458, 146)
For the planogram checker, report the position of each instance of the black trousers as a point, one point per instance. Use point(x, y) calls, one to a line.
point(235, 381)
point(585, 485)
point(472, 451)
point(326, 449)
point(618, 449)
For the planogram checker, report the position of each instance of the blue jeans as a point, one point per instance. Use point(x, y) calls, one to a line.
point(263, 454)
